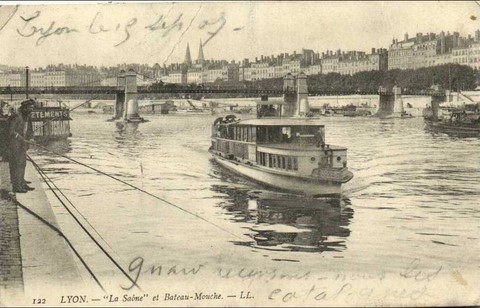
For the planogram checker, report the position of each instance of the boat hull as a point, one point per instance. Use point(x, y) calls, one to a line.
point(452, 129)
point(307, 186)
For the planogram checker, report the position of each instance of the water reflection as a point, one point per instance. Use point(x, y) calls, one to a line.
point(61, 146)
point(127, 130)
point(128, 135)
point(285, 222)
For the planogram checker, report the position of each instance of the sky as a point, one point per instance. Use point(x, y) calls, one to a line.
point(148, 33)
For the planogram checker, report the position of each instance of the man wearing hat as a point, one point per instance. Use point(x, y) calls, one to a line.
point(20, 130)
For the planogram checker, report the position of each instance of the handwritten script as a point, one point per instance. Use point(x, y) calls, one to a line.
point(38, 26)
point(410, 284)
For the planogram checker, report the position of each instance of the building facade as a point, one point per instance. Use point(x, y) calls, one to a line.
point(434, 49)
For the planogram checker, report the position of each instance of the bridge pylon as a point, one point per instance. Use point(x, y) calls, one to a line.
point(390, 104)
point(295, 96)
point(126, 103)
point(119, 109)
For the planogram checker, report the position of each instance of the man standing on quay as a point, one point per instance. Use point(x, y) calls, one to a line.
point(20, 130)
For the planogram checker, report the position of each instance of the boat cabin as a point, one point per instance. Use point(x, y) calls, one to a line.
point(286, 145)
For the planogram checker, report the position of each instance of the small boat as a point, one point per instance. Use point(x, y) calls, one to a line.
point(285, 153)
point(455, 121)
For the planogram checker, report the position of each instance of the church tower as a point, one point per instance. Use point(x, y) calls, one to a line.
point(201, 58)
point(188, 58)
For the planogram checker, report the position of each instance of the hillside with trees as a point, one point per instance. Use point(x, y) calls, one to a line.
point(461, 77)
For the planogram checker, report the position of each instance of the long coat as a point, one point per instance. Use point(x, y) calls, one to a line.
point(16, 144)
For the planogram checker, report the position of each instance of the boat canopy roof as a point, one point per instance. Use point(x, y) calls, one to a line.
point(279, 122)
point(271, 101)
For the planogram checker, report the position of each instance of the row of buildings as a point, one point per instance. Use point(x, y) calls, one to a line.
point(266, 67)
point(426, 50)
point(51, 78)
point(422, 50)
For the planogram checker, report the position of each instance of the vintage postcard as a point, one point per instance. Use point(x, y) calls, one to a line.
point(255, 153)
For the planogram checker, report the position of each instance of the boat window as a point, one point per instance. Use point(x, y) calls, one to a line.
point(286, 134)
point(308, 134)
point(277, 161)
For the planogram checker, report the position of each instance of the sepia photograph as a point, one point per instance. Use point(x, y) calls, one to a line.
point(240, 153)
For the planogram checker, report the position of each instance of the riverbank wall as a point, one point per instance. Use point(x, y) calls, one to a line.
point(34, 257)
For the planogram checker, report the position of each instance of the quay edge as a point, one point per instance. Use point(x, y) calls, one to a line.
point(46, 260)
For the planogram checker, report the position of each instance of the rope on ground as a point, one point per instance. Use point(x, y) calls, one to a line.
point(71, 203)
point(137, 188)
point(42, 174)
point(61, 234)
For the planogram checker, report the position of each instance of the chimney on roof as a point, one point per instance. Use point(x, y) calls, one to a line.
point(455, 39)
point(406, 37)
point(373, 51)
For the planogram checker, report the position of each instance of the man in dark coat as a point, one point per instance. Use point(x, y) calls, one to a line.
point(20, 130)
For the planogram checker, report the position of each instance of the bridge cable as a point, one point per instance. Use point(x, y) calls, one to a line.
point(61, 234)
point(43, 175)
point(137, 188)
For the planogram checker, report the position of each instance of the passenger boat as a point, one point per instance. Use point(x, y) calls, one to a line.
point(285, 153)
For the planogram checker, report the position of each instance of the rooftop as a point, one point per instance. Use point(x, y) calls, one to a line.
point(280, 122)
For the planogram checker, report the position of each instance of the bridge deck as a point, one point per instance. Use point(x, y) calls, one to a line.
point(199, 90)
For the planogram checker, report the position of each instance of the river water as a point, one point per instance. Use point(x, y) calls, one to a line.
point(414, 198)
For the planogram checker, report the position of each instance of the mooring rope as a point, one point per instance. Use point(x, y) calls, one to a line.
point(61, 234)
point(137, 188)
point(42, 174)
point(71, 203)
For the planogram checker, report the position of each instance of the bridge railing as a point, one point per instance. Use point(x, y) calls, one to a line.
point(203, 90)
